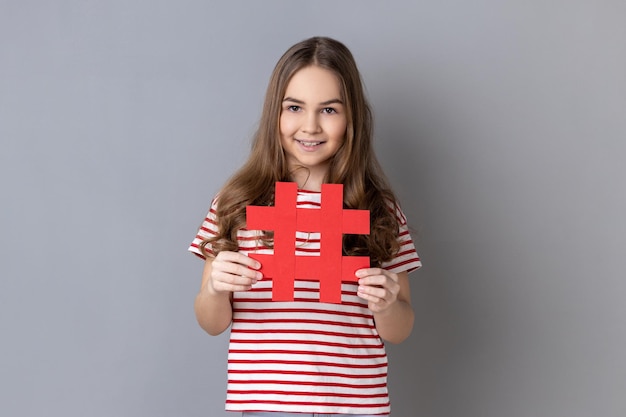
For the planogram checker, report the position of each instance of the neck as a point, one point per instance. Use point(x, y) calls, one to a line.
point(310, 179)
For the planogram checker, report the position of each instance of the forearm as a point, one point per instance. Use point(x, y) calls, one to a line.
point(395, 324)
point(389, 298)
point(213, 309)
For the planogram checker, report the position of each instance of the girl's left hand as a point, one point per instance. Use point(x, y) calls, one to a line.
point(379, 287)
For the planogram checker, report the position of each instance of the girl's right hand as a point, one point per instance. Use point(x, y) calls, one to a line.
point(233, 271)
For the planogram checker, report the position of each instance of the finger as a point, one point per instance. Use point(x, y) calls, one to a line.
point(234, 279)
point(365, 272)
point(375, 281)
point(227, 266)
point(372, 293)
point(238, 258)
point(222, 281)
point(385, 279)
point(236, 270)
point(374, 303)
point(380, 281)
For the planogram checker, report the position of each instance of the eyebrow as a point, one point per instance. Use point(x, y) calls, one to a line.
point(323, 103)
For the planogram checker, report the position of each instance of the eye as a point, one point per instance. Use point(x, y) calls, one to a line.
point(329, 110)
point(294, 108)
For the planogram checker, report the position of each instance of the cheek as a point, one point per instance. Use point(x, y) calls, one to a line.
point(286, 124)
point(339, 130)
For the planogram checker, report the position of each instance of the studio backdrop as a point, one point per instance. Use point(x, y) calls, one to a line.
point(501, 125)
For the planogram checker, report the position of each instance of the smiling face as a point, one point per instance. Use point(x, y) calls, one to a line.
point(313, 124)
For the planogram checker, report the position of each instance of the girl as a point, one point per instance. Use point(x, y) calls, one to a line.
point(305, 357)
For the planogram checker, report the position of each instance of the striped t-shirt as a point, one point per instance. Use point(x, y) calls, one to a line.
point(303, 355)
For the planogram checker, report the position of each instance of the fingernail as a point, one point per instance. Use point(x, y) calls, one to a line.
point(259, 275)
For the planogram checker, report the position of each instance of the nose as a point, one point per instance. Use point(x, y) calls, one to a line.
point(311, 123)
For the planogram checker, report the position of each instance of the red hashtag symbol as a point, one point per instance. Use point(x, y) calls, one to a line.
point(331, 221)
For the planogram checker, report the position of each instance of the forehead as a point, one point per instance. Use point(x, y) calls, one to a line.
point(314, 83)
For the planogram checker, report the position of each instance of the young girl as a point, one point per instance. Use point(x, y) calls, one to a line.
point(304, 357)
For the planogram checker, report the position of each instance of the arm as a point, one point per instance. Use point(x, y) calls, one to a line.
point(389, 298)
point(227, 272)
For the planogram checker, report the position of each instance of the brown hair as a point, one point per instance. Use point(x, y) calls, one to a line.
point(354, 165)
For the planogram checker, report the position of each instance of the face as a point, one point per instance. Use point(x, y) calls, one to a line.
point(312, 120)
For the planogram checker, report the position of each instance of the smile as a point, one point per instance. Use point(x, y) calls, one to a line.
point(308, 144)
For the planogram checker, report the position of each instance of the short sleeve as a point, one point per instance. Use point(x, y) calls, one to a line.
point(207, 230)
point(407, 258)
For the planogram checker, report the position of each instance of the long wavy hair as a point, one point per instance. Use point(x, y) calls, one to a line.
point(354, 165)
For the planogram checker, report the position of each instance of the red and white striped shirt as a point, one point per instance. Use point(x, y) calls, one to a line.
point(303, 355)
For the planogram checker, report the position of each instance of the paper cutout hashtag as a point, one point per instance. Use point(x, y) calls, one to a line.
point(331, 221)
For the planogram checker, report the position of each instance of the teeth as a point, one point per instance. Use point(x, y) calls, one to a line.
point(309, 144)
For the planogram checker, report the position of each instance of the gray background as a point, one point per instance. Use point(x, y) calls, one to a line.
point(502, 125)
